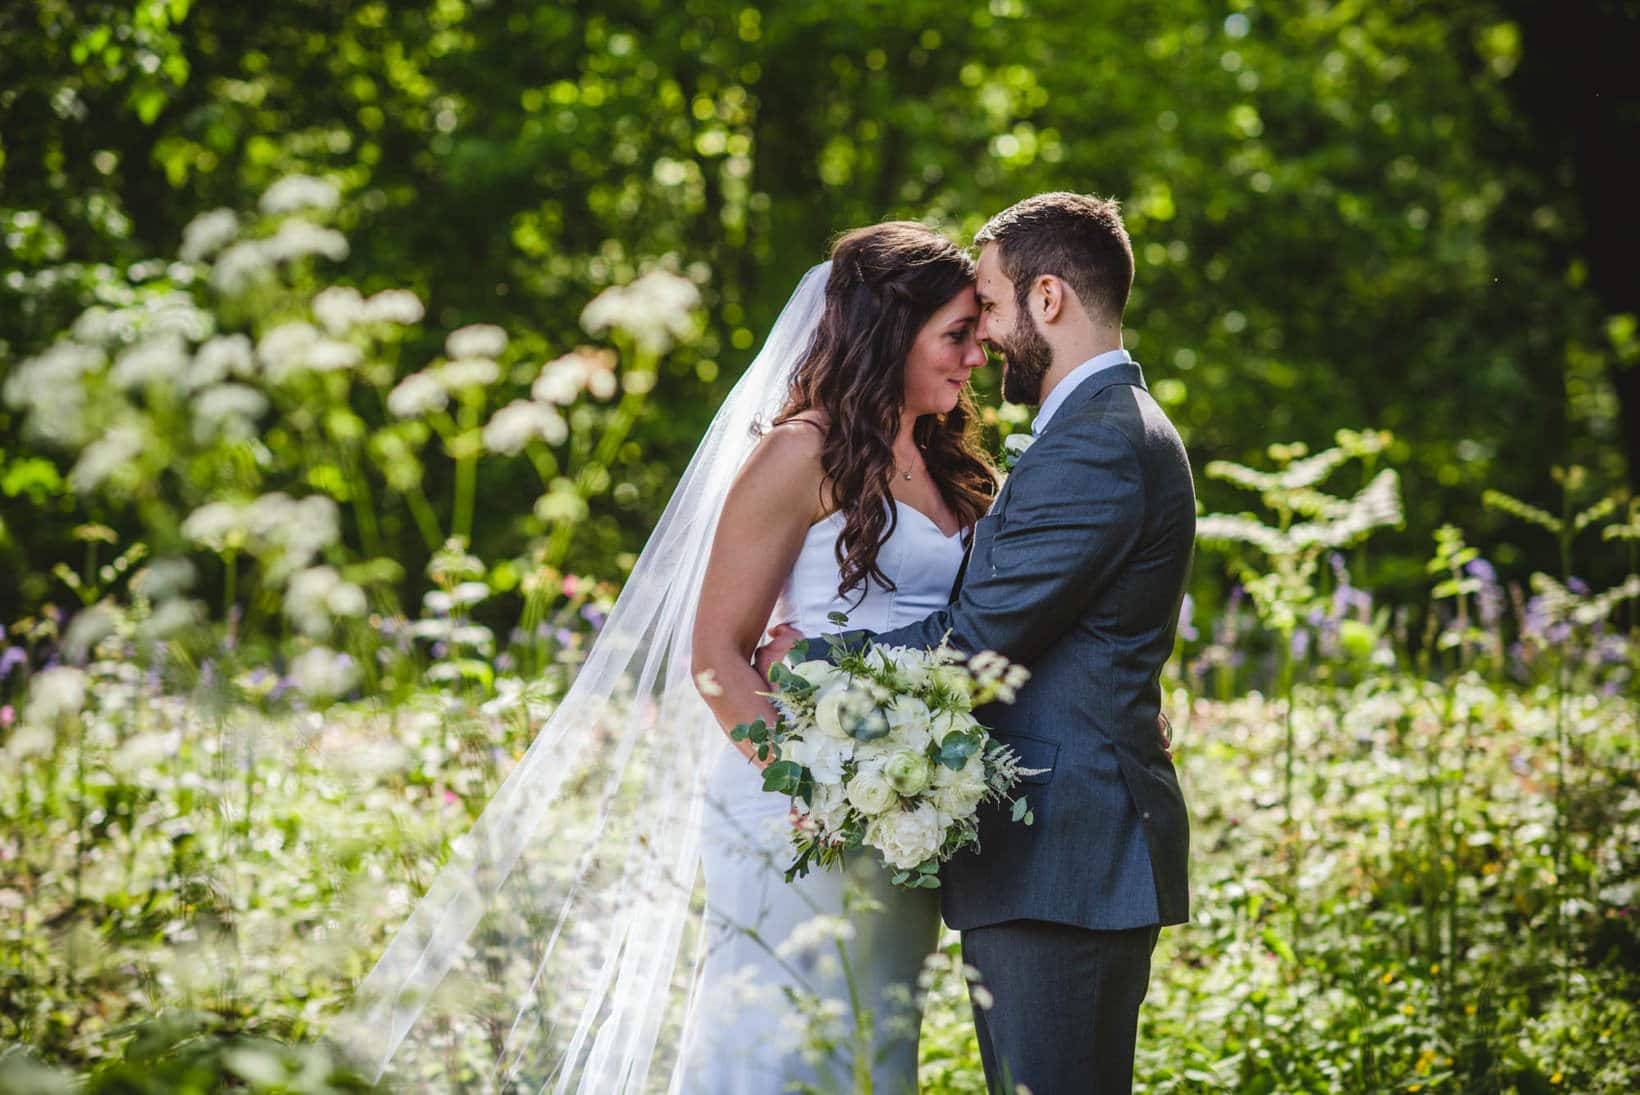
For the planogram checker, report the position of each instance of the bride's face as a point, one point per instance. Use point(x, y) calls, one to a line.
point(943, 355)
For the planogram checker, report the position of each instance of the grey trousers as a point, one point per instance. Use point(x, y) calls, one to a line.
point(1064, 1005)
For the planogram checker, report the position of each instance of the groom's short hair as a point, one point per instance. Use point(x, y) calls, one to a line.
point(1078, 238)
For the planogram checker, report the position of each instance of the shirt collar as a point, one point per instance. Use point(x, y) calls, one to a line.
point(1073, 380)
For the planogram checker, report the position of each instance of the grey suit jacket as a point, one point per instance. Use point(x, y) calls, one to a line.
point(1078, 572)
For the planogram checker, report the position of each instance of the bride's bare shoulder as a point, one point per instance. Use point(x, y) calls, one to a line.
point(798, 440)
point(785, 468)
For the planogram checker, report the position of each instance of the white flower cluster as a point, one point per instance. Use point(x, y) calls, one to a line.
point(285, 533)
point(587, 369)
point(341, 308)
point(882, 749)
point(318, 596)
point(657, 310)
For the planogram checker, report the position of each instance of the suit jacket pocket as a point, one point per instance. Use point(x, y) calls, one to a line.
point(1033, 753)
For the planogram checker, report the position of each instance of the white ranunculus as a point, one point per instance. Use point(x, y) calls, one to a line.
point(416, 395)
point(521, 422)
point(476, 340)
point(870, 792)
point(907, 838)
point(908, 772)
point(53, 694)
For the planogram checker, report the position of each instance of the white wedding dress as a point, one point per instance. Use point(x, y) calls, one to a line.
point(790, 968)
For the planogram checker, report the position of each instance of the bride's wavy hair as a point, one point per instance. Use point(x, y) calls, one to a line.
point(886, 281)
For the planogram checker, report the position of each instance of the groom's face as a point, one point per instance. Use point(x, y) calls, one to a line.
point(1005, 329)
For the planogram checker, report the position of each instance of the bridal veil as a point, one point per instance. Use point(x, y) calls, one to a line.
point(559, 949)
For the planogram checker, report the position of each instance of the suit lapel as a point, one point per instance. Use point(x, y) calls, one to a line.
point(1127, 373)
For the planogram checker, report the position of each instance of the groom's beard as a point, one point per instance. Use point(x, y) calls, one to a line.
point(1027, 359)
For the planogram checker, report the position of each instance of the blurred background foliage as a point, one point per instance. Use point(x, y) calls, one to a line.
point(1401, 215)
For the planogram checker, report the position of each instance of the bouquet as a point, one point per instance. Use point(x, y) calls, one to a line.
point(882, 750)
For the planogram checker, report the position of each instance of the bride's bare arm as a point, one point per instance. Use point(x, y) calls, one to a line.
point(771, 505)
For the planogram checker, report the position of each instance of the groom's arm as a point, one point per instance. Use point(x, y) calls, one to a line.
point(1076, 506)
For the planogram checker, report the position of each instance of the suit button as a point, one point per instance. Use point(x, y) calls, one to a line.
point(1147, 815)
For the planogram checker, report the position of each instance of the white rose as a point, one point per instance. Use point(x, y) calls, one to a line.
point(818, 673)
point(829, 709)
point(949, 722)
point(870, 792)
point(907, 838)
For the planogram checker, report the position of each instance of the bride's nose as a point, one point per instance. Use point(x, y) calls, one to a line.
point(973, 355)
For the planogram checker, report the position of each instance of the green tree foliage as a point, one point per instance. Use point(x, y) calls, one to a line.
point(1339, 217)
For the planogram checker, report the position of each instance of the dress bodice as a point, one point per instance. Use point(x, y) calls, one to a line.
point(917, 557)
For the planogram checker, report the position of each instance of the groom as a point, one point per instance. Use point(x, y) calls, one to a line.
point(1077, 572)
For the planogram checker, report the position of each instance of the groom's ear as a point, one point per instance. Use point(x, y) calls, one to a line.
point(1047, 298)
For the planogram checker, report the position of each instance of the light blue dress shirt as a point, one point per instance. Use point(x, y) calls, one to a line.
point(1073, 380)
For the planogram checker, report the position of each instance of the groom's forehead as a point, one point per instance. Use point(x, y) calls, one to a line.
point(990, 281)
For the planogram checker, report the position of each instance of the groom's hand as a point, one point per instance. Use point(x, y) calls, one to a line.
point(780, 641)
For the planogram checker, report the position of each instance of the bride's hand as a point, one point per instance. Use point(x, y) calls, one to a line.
point(780, 641)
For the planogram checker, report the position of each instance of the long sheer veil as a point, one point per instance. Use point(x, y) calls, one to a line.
point(560, 948)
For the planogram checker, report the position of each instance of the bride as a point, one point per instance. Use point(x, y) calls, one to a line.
point(566, 946)
point(855, 502)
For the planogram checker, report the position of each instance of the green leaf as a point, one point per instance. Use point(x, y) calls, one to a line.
point(783, 777)
point(957, 748)
point(1278, 945)
point(1021, 808)
point(757, 730)
point(838, 618)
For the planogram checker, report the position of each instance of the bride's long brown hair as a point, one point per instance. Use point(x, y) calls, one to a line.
point(886, 281)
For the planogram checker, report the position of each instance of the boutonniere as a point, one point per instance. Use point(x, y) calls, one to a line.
point(1014, 446)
